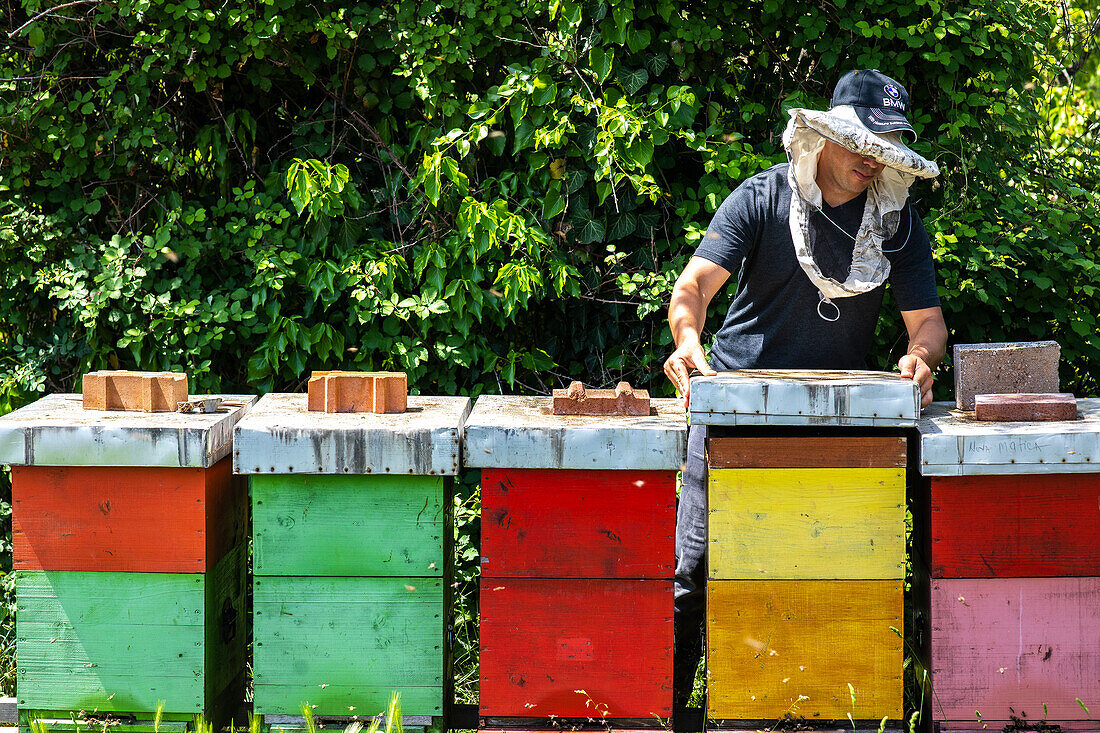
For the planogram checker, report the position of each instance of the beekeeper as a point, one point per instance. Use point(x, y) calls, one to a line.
point(813, 243)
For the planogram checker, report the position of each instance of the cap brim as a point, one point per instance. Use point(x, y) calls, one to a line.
point(842, 125)
point(879, 120)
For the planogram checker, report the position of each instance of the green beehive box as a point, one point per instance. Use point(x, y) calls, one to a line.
point(352, 548)
point(114, 643)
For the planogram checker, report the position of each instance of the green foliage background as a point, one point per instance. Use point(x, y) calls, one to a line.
point(494, 197)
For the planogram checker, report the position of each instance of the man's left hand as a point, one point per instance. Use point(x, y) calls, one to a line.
point(913, 367)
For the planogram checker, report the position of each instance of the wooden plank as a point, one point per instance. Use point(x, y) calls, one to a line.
point(523, 432)
point(77, 723)
point(364, 698)
point(807, 452)
point(57, 431)
point(1016, 526)
point(804, 397)
point(347, 641)
point(769, 642)
point(281, 436)
point(806, 523)
point(576, 648)
point(125, 519)
point(1015, 644)
point(228, 632)
point(577, 524)
point(227, 512)
point(322, 524)
point(110, 641)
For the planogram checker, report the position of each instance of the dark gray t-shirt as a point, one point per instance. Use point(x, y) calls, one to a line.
point(773, 321)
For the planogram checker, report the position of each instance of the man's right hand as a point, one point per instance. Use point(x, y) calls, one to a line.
point(687, 309)
point(679, 365)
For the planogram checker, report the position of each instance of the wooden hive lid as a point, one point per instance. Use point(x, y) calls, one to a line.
point(58, 431)
point(804, 397)
point(953, 443)
point(281, 435)
point(523, 432)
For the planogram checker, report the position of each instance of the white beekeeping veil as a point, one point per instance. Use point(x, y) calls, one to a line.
point(804, 139)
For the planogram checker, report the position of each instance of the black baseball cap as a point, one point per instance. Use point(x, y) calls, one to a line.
point(880, 102)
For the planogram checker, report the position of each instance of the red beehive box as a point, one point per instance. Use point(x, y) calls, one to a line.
point(577, 544)
point(1015, 598)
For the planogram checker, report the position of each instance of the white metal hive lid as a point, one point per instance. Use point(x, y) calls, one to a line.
point(280, 435)
point(953, 443)
point(57, 431)
point(523, 432)
point(804, 397)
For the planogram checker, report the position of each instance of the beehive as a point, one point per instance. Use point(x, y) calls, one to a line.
point(577, 546)
point(352, 538)
point(1015, 567)
point(806, 543)
point(128, 533)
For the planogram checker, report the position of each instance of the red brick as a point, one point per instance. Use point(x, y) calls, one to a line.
point(134, 391)
point(1005, 368)
point(357, 392)
point(623, 400)
point(1024, 407)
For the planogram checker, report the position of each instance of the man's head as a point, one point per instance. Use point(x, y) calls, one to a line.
point(873, 103)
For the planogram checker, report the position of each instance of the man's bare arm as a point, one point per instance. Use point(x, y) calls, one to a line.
point(927, 344)
point(687, 312)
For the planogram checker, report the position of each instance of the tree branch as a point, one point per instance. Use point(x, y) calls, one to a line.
point(51, 11)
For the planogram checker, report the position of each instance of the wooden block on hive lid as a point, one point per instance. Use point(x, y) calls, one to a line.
point(623, 400)
point(1025, 407)
point(380, 392)
point(1004, 368)
point(134, 391)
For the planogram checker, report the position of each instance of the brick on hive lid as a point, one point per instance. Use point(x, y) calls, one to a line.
point(623, 400)
point(1026, 367)
point(133, 391)
point(342, 391)
point(1025, 407)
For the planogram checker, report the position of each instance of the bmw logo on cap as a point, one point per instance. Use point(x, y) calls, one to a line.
point(892, 91)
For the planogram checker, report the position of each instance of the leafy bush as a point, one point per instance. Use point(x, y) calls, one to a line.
point(493, 196)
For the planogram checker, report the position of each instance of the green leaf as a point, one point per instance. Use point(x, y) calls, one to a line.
point(544, 92)
point(593, 230)
point(656, 63)
point(600, 62)
point(36, 36)
point(603, 190)
point(496, 142)
point(553, 203)
point(641, 152)
point(622, 225)
point(637, 40)
point(633, 79)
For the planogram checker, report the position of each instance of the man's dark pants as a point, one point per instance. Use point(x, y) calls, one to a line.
point(691, 547)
